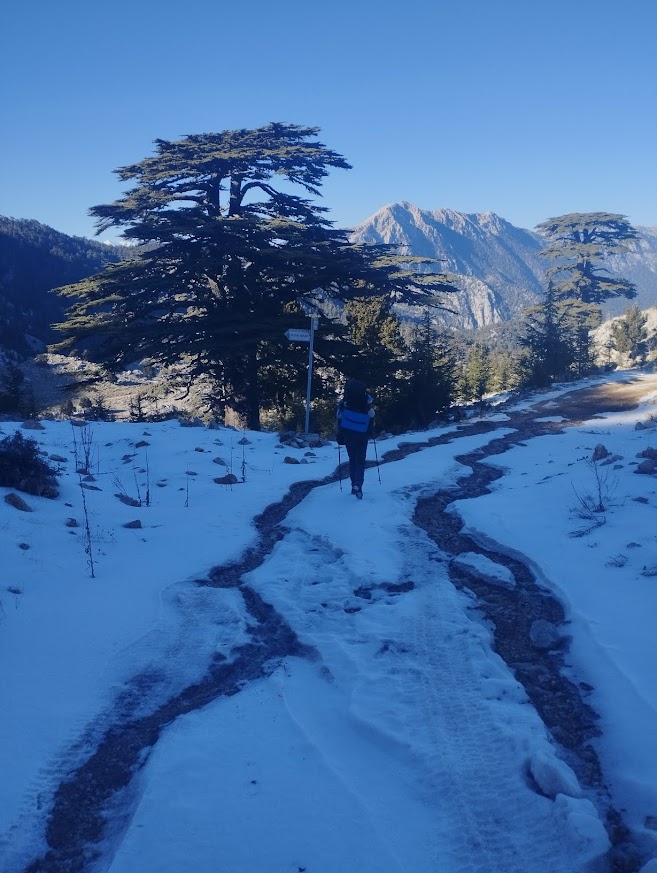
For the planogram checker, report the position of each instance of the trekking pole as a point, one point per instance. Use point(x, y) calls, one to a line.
point(339, 467)
point(376, 455)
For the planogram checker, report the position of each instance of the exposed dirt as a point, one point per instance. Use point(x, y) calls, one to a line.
point(81, 815)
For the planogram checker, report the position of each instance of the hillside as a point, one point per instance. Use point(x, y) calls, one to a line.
point(34, 259)
point(497, 265)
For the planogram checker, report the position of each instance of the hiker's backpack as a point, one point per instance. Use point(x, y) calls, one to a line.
point(355, 407)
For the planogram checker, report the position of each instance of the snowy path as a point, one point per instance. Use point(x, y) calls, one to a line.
point(359, 719)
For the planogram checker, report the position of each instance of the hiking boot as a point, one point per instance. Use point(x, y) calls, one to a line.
point(357, 491)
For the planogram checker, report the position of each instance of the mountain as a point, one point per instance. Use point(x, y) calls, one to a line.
point(34, 259)
point(497, 266)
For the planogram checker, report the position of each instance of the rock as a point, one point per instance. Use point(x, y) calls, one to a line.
point(17, 502)
point(600, 452)
point(310, 455)
point(187, 473)
point(90, 487)
point(59, 459)
point(553, 776)
point(133, 525)
point(141, 444)
point(244, 442)
point(129, 501)
point(190, 422)
point(228, 479)
point(89, 478)
point(544, 635)
point(289, 460)
point(646, 467)
point(72, 522)
point(648, 453)
point(23, 546)
point(219, 460)
point(199, 449)
point(32, 424)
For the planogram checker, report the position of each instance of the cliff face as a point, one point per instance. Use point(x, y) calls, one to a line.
point(496, 265)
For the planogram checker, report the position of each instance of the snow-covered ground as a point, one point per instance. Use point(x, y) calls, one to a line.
point(403, 742)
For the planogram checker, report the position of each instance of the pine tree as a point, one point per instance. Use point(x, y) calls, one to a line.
point(226, 252)
point(476, 374)
point(577, 246)
point(431, 380)
point(549, 339)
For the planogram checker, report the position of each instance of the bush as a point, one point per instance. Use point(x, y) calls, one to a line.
point(22, 467)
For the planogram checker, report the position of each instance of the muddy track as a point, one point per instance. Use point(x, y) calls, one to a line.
point(81, 812)
point(512, 611)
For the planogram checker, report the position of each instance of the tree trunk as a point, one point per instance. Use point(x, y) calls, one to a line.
point(243, 396)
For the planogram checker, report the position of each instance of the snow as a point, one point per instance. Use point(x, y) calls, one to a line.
point(401, 741)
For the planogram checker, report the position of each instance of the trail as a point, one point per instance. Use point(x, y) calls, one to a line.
point(92, 799)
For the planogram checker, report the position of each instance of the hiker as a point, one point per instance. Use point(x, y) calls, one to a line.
point(355, 424)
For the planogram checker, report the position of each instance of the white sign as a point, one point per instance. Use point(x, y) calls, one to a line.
point(302, 336)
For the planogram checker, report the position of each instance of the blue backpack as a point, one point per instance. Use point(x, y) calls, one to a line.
point(353, 411)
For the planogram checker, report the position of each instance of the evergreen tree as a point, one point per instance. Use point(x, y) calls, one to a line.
point(476, 374)
point(549, 340)
point(629, 333)
point(230, 251)
point(577, 244)
point(430, 385)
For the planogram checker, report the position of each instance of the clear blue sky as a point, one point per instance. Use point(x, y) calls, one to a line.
point(527, 108)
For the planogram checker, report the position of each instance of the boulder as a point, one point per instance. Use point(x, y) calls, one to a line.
point(228, 479)
point(544, 635)
point(17, 502)
point(600, 452)
point(129, 501)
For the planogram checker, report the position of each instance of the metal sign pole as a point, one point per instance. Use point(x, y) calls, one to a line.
point(313, 325)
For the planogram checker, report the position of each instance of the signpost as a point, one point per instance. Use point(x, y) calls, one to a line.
point(306, 336)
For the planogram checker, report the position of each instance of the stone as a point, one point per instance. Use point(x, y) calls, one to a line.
point(141, 444)
point(129, 501)
point(600, 452)
point(59, 459)
point(649, 453)
point(72, 522)
point(228, 479)
point(544, 635)
point(23, 546)
point(220, 461)
point(289, 460)
point(646, 467)
point(17, 502)
point(32, 424)
point(244, 442)
point(133, 525)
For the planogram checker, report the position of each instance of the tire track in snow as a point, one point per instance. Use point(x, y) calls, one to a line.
point(558, 701)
